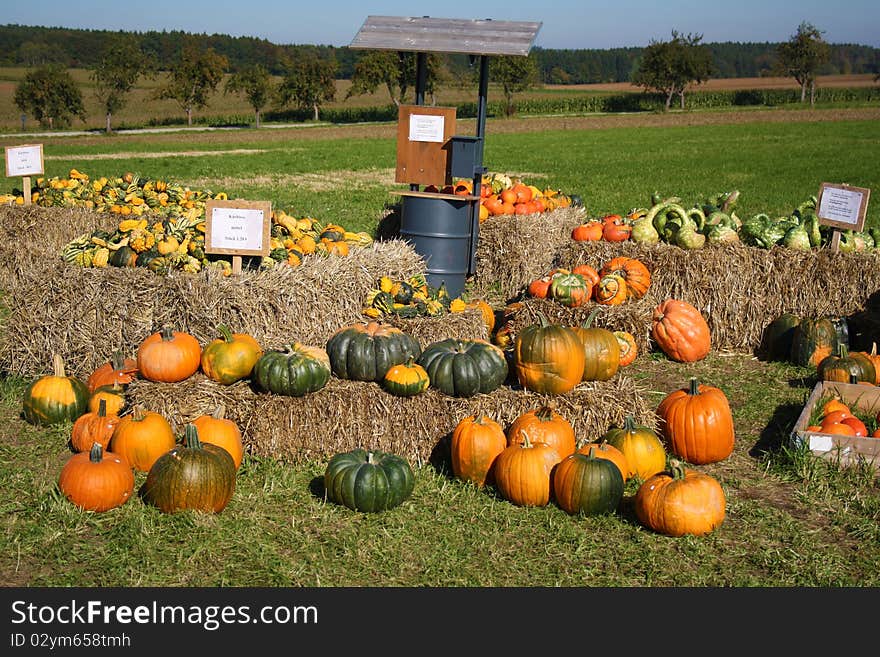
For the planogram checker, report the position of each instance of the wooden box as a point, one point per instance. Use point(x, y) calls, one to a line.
point(846, 450)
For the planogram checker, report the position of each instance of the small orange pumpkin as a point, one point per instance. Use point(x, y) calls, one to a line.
point(543, 425)
point(142, 437)
point(680, 501)
point(96, 480)
point(611, 290)
point(476, 443)
point(628, 348)
point(118, 369)
point(168, 356)
point(633, 271)
point(93, 427)
point(219, 430)
point(523, 472)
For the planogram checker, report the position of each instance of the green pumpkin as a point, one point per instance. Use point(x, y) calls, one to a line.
point(296, 371)
point(570, 290)
point(194, 475)
point(844, 366)
point(365, 351)
point(777, 337)
point(56, 397)
point(464, 368)
point(813, 339)
point(368, 481)
point(587, 485)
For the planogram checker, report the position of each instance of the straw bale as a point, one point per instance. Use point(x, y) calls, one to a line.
point(739, 289)
point(348, 414)
point(466, 325)
point(515, 249)
point(87, 314)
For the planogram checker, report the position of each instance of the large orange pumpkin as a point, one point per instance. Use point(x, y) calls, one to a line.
point(696, 423)
point(680, 330)
point(548, 358)
point(633, 271)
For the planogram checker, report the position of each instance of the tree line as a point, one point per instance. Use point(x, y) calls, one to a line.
point(308, 81)
point(33, 46)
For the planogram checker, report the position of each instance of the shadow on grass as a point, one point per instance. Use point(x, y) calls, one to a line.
point(775, 434)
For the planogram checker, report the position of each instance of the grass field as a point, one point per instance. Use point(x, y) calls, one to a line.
point(792, 521)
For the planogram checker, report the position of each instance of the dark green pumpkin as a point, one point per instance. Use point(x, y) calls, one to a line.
point(194, 475)
point(124, 256)
point(368, 481)
point(365, 351)
point(777, 338)
point(464, 368)
point(813, 339)
point(584, 484)
point(56, 397)
point(296, 371)
point(843, 365)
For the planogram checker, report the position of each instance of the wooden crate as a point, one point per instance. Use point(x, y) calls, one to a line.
point(845, 450)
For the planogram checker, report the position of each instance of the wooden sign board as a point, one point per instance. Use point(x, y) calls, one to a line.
point(238, 228)
point(423, 134)
point(842, 206)
point(25, 160)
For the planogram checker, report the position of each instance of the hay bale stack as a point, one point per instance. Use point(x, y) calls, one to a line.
point(87, 314)
point(349, 414)
point(739, 289)
point(515, 249)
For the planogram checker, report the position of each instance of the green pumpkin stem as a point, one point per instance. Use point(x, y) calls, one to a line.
point(676, 468)
point(589, 321)
point(102, 407)
point(225, 332)
point(96, 453)
point(629, 424)
point(545, 412)
point(167, 332)
point(694, 386)
point(526, 443)
point(191, 437)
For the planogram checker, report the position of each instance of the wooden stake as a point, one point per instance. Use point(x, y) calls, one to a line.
point(236, 264)
point(26, 189)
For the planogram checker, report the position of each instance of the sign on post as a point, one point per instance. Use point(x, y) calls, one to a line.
point(238, 228)
point(24, 161)
point(843, 207)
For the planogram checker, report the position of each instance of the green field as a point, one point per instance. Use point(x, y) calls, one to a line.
point(792, 521)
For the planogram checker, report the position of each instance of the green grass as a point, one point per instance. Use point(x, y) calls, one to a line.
point(792, 520)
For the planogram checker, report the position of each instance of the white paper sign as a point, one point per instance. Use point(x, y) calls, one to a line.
point(423, 127)
point(840, 205)
point(821, 443)
point(237, 228)
point(24, 160)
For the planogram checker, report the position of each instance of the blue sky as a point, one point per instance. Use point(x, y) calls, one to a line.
point(565, 23)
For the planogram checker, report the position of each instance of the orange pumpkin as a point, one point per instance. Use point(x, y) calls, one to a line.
point(644, 451)
point(168, 356)
point(628, 348)
point(231, 357)
point(601, 350)
point(680, 330)
point(486, 311)
point(616, 229)
point(219, 430)
point(118, 369)
point(697, 424)
point(96, 480)
point(523, 471)
point(611, 290)
point(590, 231)
point(548, 358)
point(681, 501)
point(543, 425)
point(633, 271)
point(476, 443)
point(539, 288)
point(142, 437)
point(113, 397)
point(589, 273)
point(93, 427)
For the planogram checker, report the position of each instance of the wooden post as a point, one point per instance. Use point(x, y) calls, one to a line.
point(26, 189)
point(236, 264)
point(835, 241)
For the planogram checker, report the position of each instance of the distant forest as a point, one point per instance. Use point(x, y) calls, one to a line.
point(31, 46)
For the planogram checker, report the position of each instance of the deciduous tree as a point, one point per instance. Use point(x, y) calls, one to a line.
point(193, 77)
point(396, 71)
point(50, 95)
point(668, 67)
point(515, 74)
point(117, 71)
point(256, 84)
point(801, 56)
point(309, 83)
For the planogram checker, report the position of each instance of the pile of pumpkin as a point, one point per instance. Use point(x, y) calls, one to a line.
point(833, 416)
point(412, 297)
point(619, 280)
point(538, 459)
point(821, 343)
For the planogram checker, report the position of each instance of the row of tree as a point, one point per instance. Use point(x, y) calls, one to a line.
point(307, 82)
point(34, 46)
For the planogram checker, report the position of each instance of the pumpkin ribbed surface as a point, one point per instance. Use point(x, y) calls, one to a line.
point(680, 330)
point(368, 481)
point(463, 368)
point(680, 502)
point(55, 397)
point(365, 352)
point(697, 424)
point(587, 485)
point(296, 371)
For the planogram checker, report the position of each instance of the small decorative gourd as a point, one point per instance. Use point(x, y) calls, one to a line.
point(55, 398)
